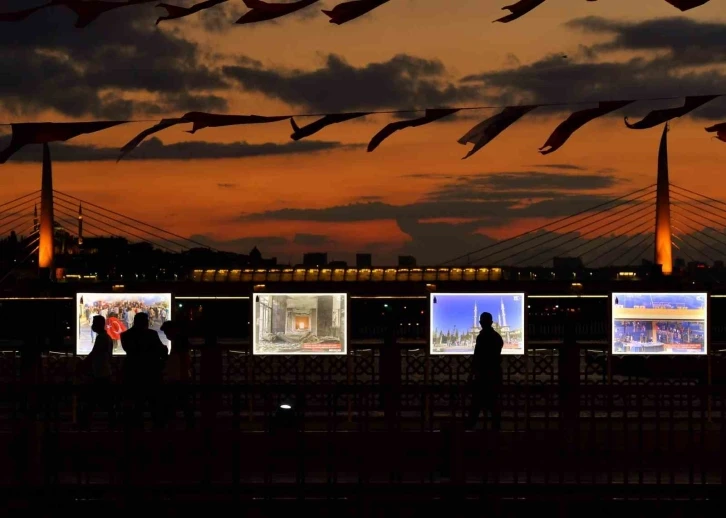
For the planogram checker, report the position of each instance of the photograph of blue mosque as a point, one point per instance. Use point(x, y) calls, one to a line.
point(455, 321)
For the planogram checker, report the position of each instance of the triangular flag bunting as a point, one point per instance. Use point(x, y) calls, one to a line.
point(314, 127)
point(430, 116)
point(88, 11)
point(44, 132)
point(719, 130)
point(210, 120)
point(138, 139)
point(657, 117)
point(487, 130)
point(175, 11)
point(200, 121)
point(685, 5)
point(17, 16)
point(576, 121)
point(519, 9)
point(348, 11)
point(263, 11)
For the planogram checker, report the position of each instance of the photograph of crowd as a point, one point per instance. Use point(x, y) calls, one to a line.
point(670, 337)
point(455, 321)
point(300, 324)
point(119, 310)
point(659, 323)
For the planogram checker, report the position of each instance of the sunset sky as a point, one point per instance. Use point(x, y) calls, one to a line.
point(251, 185)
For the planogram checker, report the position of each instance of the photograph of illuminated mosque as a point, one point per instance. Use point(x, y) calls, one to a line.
point(455, 321)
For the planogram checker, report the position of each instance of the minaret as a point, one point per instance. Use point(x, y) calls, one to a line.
point(46, 249)
point(80, 224)
point(503, 314)
point(663, 244)
point(476, 316)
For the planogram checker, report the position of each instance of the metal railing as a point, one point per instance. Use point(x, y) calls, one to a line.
point(337, 439)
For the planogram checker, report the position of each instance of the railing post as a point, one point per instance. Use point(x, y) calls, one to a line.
point(29, 431)
point(390, 368)
point(211, 380)
point(569, 381)
point(210, 376)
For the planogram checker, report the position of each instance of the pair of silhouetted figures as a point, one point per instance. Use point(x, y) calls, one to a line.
point(486, 374)
point(146, 365)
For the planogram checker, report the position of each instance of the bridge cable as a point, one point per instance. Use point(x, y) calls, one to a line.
point(544, 227)
point(559, 236)
point(91, 211)
point(137, 221)
point(87, 219)
point(645, 206)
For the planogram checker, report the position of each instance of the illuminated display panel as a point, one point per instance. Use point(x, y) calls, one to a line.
point(455, 321)
point(300, 323)
point(119, 310)
point(659, 323)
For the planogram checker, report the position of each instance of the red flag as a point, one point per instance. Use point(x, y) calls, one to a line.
point(685, 5)
point(44, 132)
point(314, 127)
point(431, 115)
point(576, 121)
point(262, 11)
point(719, 130)
point(138, 139)
point(657, 117)
point(17, 16)
point(487, 130)
point(210, 120)
point(175, 11)
point(114, 327)
point(348, 11)
point(519, 9)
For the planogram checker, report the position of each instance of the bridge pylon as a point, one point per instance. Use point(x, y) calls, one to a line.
point(46, 248)
point(663, 231)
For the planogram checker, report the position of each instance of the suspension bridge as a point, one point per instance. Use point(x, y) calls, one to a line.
point(643, 225)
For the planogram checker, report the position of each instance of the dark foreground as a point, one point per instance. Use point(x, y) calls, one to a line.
point(365, 451)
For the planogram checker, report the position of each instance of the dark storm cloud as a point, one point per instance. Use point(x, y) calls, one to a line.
point(402, 81)
point(683, 57)
point(534, 183)
point(154, 149)
point(492, 199)
point(430, 176)
point(50, 64)
point(564, 167)
point(481, 201)
point(687, 41)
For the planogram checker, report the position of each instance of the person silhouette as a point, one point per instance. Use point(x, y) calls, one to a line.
point(99, 368)
point(145, 358)
point(486, 374)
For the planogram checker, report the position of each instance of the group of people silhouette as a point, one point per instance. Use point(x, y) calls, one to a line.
point(147, 365)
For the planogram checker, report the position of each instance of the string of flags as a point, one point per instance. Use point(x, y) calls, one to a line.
point(479, 136)
point(88, 11)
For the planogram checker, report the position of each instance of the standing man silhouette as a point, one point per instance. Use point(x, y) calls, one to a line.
point(486, 374)
point(145, 359)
